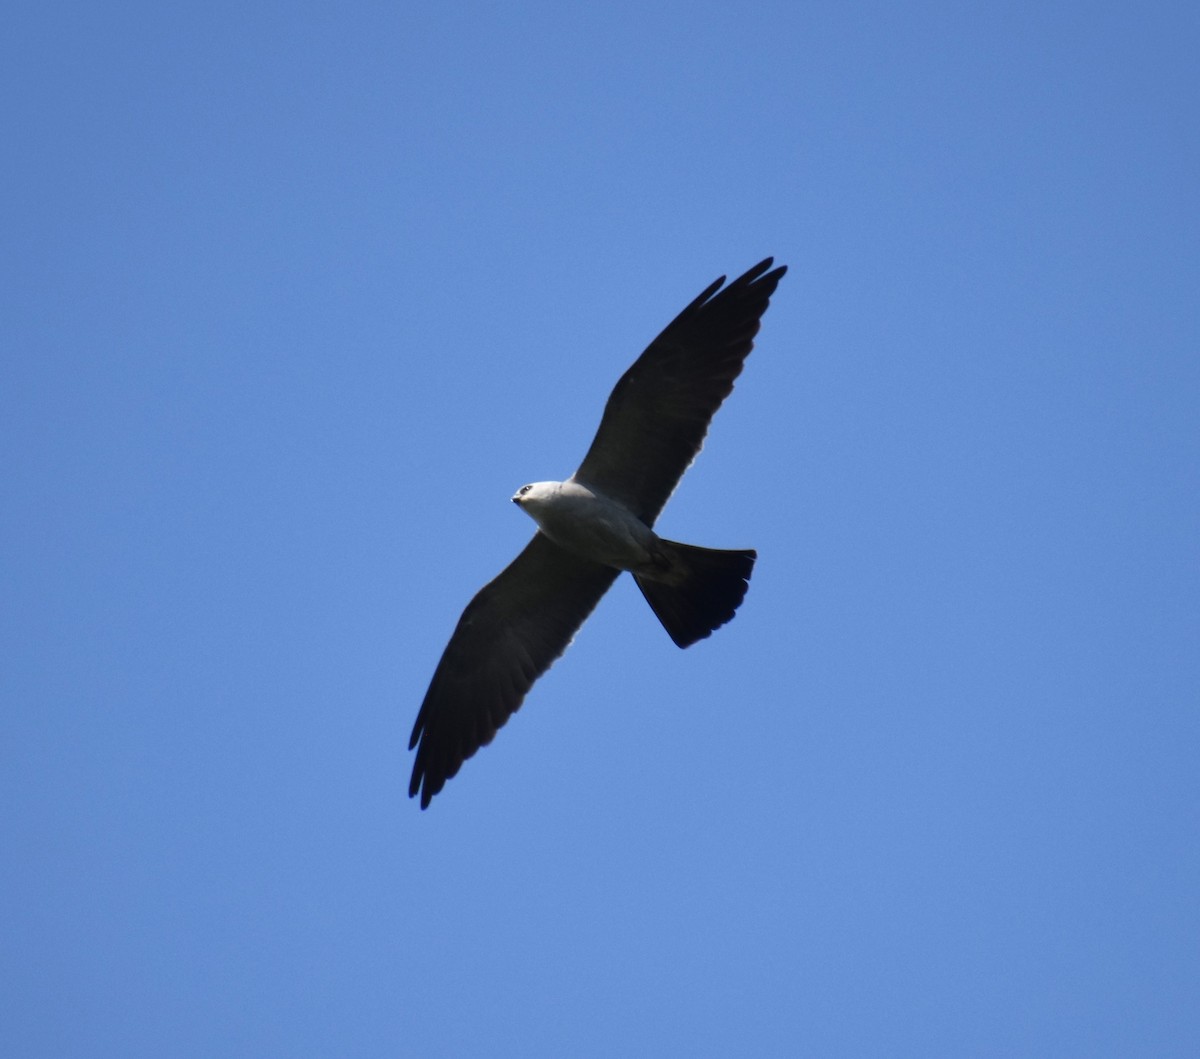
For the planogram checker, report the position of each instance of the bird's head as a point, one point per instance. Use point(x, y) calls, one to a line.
point(535, 493)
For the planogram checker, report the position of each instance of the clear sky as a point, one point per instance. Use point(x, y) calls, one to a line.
point(295, 295)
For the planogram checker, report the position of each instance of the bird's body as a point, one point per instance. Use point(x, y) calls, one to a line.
point(588, 524)
point(596, 524)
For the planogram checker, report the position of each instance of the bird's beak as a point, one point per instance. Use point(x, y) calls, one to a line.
point(516, 499)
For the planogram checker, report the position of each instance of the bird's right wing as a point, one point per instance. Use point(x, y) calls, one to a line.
point(509, 635)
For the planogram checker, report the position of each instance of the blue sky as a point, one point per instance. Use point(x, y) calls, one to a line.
point(295, 295)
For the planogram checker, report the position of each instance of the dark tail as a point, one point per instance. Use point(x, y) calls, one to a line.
point(699, 590)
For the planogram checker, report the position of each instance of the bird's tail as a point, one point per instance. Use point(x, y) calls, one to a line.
point(698, 589)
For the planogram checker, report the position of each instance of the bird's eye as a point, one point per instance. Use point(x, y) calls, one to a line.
point(524, 489)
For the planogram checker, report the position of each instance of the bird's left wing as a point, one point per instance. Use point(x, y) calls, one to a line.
point(509, 635)
point(658, 414)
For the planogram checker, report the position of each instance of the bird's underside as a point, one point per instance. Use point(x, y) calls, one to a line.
point(653, 426)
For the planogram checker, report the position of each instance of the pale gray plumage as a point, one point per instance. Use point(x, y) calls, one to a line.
point(653, 426)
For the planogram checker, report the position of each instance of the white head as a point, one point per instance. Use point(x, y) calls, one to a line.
point(535, 494)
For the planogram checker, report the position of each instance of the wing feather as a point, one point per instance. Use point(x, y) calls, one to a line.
point(657, 416)
point(508, 636)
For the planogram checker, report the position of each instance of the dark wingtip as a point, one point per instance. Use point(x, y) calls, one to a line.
point(759, 276)
point(420, 783)
point(758, 273)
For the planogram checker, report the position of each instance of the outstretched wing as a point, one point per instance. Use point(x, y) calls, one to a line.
point(509, 635)
point(659, 411)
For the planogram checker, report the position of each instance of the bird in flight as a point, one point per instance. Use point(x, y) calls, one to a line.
point(596, 524)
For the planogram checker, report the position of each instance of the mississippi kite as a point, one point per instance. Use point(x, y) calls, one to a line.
point(596, 524)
